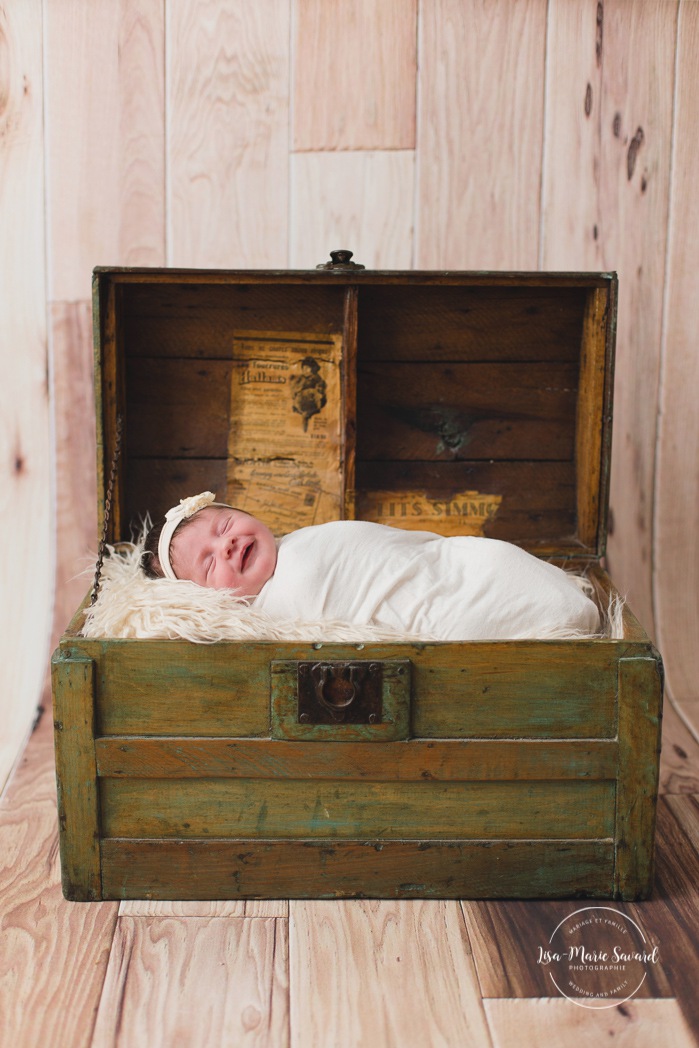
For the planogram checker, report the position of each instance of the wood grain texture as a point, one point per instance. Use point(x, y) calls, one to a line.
point(676, 545)
point(267, 809)
point(505, 938)
point(75, 456)
point(76, 776)
point(545, 689)
point(26, 566)
point(450, 761)
point(679, 757)
point(374, 951)
point(605, 199)
point(105, 131)
point(640, 701)
point(162, 969)
point(671, 916)
point(633, 1024)
point(228, 105)
point(53, 954)
point(336, 869)
point(480, 128)
point(357, 200)
point(204, 908)
point(355, 66)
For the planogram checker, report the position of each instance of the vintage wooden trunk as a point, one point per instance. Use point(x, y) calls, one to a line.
point(447, 401)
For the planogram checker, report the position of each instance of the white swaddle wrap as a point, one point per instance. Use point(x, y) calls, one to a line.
point(460, 588)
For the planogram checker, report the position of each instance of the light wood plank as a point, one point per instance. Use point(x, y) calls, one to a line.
point(26, 566)
point(679, 757)
point(360, 200)
point(105, 132)
point(633, 1024)
point(383, 973)
point(195, 982)
point(480, 126)
point(228, 102)
point(676, 546)
point(605, 198)
point(53, 954)
point(75, 457)
point(204, 908)
point(355, 64)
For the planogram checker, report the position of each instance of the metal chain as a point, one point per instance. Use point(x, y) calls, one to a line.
point(107, 510)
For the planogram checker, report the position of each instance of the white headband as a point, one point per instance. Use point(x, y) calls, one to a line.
point(173, 517)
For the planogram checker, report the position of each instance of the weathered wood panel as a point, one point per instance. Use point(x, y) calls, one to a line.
point(355, 67)
point(227, 148)
point(610, 72)
point(676, 542)
point(76, 776)
point(26, 566)
point(480, 129)
point(449, 323)
point(640, 711)
point(271, 869)
point(360, 200)
point(449, 761)
point(105, 127)
point(266, 808)
point(625, 1024)
point(374, 951)
point(542, 689)
point(431, 411)
point(162, 969)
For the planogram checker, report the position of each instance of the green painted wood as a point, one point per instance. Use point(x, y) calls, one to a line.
point(395, 716)
point(385, 810)
point(520, 689)
point(252, 869)
point(123, 756)
point(640, 713)
point(76, 777)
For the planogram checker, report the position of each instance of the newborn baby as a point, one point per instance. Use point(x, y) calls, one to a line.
point(458, 588)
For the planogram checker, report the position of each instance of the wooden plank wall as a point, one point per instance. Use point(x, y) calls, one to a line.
point(420, 133)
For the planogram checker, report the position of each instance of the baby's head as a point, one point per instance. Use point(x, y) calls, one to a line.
point(213, 545)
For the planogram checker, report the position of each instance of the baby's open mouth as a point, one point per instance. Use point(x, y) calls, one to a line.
point(246, 555)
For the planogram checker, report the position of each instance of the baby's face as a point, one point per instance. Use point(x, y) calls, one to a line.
point(225, 549)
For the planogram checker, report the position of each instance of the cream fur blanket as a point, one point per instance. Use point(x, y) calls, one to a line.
point(130, 605)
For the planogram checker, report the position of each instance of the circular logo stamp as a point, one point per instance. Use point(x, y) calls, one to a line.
point(598, 957)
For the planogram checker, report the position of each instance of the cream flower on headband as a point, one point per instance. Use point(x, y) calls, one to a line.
point(173, 518)
point(188, 507)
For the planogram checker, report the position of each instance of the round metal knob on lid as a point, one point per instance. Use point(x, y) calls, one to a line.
point(340, 260)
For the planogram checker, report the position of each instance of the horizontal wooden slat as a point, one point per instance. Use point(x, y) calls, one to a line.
point(304, 808)
point(199, 320)
point(544, 690)
point(346, 869)
point(470, 323)
point(433, 410)
point(513, 689)
point(450, 761)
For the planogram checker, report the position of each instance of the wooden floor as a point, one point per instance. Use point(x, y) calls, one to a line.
point(322, 974)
